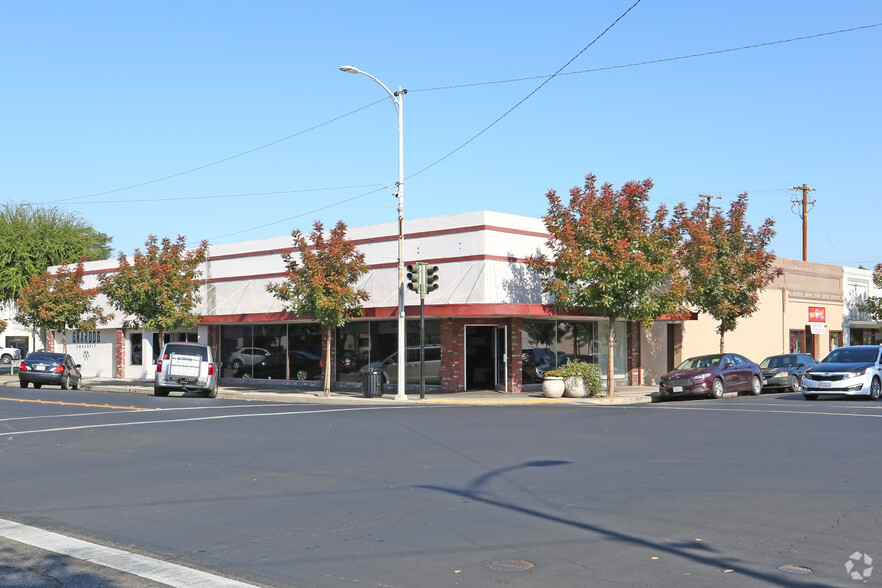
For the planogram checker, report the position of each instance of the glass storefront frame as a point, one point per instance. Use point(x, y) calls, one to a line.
point(547, 344)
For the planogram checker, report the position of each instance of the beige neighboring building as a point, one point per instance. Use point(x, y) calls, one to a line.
point(802, 310)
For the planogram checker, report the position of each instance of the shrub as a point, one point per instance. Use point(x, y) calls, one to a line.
point(589, 372)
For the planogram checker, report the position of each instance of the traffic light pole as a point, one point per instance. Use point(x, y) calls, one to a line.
point(422, 278)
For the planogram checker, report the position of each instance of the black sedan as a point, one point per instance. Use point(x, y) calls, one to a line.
point(712, 375)
point(785, 371)
point(300, 366)
point(57, 369)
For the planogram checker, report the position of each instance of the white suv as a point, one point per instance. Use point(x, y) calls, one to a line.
point(189, 367)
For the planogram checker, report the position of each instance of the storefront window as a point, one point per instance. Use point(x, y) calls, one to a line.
point(137, 349)
point(835, 340)
point(271, 352)
point(549, 344)
point(362, 343)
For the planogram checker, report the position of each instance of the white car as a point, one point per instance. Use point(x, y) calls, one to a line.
point(9, 354)
point(849, 371)
point(246, 356)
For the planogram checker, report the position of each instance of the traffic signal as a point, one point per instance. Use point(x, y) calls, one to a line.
point(431, 278)
point(413, 278)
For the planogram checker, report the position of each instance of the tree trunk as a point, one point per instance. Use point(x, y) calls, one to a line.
point(610, 365)
point(722, 341)
point(327, 366)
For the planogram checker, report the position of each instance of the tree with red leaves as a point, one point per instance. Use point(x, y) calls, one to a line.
point(319, 282)
point(726, 261)
point(160, 287)
point(609, 257)
point(58, 302)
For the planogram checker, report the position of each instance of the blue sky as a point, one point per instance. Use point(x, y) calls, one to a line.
point(230, 121)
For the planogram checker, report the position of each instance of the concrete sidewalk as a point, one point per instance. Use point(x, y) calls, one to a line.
point(262, 391)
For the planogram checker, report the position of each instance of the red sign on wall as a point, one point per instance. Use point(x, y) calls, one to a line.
point(817, 314)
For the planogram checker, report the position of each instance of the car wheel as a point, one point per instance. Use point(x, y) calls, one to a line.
point(756, 386)
point(794, 384)
point(212, 393)
point(160, 391)
point(875, 389)
point(301, 374)
point(811, 396)
point(717, 389)
point(6, 359)
point(237, 364)
point(23, 384)
point(78, 385)
point(65, 383)
point(38, 386)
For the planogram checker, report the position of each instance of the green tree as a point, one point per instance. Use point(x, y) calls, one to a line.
point(58, 302)
point(726, 262)
point(609, 257)
point(320, 282)
point(873, 304)
point(33, 238)
point(160, 287)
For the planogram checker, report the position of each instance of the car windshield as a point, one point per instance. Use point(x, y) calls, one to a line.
point(704, 361)
point(779, 361)
point(852, 355)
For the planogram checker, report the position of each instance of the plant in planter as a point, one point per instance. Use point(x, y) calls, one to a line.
point(553, 384)
point(581, 379)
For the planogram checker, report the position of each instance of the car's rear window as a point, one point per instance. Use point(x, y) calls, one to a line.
point(56, 357)
point(187, 350)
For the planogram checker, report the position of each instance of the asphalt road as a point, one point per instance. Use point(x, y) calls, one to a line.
point(692, 493)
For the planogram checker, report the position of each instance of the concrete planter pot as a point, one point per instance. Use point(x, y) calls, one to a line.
point(553, 387)
point(574, 387)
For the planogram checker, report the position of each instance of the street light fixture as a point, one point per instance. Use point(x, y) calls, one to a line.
point(399, 193)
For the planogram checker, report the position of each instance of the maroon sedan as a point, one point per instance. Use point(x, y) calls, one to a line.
point(712, 375)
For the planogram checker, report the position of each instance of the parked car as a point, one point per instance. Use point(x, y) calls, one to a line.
point(389, 366)
point(785, 371)
point(302, 366)
point(9, 354)
point(189, 367)
point(57, 369)
point(849, 371)
point(712, 375)
point(244, 356)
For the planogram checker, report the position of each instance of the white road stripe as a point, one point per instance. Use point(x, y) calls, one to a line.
point(206, 418)
point(139, 565)
point(128, 410)
point(809, 412)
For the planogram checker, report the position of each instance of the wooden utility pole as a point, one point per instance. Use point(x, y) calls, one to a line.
point(708, 197)
point(804, 210)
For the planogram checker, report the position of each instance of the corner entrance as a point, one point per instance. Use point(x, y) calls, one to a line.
point(485, 358)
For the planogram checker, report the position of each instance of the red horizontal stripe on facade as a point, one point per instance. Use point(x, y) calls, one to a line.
point(381, 239)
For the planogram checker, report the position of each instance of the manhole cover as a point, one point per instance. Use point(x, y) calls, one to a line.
point(510, 565)
point(792, 569)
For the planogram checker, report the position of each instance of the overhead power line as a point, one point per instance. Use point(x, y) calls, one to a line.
point(224, 160)
point(652, 61)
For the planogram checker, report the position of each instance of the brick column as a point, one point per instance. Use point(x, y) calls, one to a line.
point(452, 355)
point(119, 354)
point(515, 357)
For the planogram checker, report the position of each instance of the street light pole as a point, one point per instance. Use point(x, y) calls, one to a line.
point(399, 193)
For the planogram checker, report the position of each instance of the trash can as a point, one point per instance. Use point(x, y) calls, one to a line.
point(372, 382)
